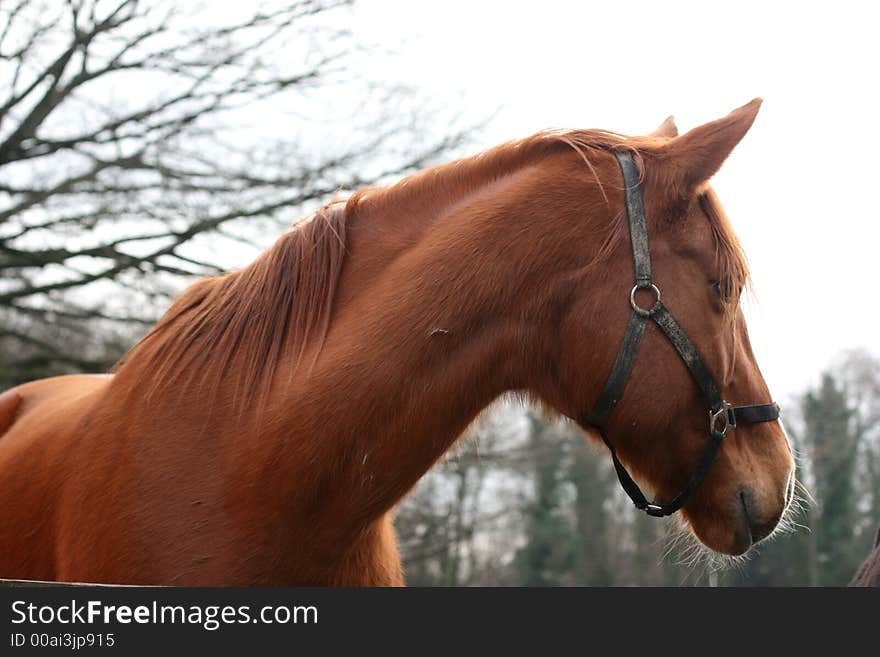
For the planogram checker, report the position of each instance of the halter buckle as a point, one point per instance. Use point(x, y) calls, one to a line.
point(726, 414)
point(635, 306)
point(654, 510)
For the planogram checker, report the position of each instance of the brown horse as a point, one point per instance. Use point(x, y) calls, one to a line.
point(263, 431)
point(868, 573)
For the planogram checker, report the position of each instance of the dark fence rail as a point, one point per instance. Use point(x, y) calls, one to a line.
point(13, 583)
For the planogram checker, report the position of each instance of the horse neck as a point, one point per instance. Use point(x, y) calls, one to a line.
point(463, 313)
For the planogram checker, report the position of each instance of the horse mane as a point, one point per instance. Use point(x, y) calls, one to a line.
point(438, 186)
point(283, 301)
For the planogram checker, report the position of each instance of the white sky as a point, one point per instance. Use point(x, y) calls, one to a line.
point(797, 188)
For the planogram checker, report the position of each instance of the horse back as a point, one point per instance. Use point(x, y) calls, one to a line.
point(39, 429)
point(46, 397)
point(9, 402)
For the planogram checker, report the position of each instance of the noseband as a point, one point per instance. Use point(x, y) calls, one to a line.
point(723, 417)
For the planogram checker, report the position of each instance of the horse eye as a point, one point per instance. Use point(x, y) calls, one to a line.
point(716, 286)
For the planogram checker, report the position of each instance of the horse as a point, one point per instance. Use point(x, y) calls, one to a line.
point(868, 573)
point(264, 430)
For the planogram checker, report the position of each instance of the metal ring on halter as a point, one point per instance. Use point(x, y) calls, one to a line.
point(724, 413)
point(632, 299)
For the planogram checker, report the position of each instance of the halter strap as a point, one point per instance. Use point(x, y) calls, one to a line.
point(635, 213)
point(723, 417)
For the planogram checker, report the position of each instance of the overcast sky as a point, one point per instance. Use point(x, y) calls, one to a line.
point(798, 188)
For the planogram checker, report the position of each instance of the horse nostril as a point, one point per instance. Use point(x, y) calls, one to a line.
point(759, 528)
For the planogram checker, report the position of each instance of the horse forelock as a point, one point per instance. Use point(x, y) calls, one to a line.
point(733, 267)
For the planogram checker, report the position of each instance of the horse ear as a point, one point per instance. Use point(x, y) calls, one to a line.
point(666, 129)
point(693, 158)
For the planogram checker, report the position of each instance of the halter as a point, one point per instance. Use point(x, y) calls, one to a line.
point(723, 417)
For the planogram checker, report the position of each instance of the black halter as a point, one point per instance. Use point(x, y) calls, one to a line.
point(723, 417)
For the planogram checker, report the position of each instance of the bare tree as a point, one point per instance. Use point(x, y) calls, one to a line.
point(132, 129)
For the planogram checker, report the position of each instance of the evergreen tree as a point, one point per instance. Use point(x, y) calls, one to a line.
point(832, 447)
point(594, 525)
point(549, 554)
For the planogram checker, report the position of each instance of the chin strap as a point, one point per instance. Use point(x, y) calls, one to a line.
point(723, 417)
